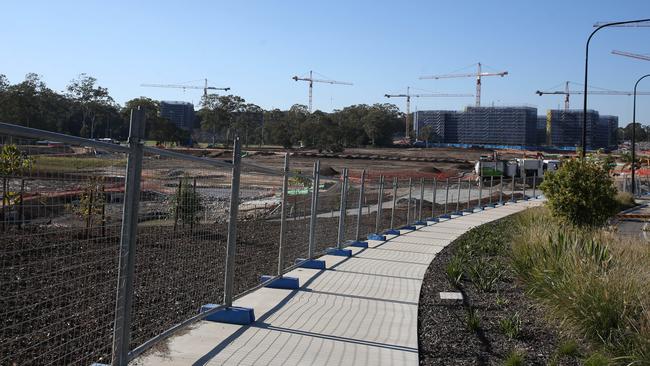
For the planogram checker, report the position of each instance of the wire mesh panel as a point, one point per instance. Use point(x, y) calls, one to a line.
point(299, 198)
point(258, 226)
point(402, 204)
point(60, 222)
point(372, 201)
point(352, 205)
point(329, 200)
point(180, 245)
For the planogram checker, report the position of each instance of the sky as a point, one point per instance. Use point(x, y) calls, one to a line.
point(255, 47)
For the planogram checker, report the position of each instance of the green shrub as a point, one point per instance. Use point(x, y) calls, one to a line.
point(580, 192)
point(625, 200)
point(454, 271)
point(484, 273)
point(511, 326)
point(473, 319)
point(186, 203)
point(515, 358)
point(597, 359)
point(568, 348)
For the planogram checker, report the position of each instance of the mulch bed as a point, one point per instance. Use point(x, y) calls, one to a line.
point(444, 337)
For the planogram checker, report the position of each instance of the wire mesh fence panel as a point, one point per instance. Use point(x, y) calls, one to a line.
point(327, 221)
point(180, 245)
point(258, 227)
point(352, 206)
point(299, 198)
point(60, 223)
point(402, 205)
point(371, 207)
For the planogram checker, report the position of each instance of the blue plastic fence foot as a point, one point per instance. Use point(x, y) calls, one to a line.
point(358, 244)
point(445, 216)
point(408, 227)
point(457, 213)
point(339, 252)
point(468, 210)
point(377, 237)
point(478, 208)
point(433, 219)
point(490, 205)
point(289, 283)
point(232, 315)
point(421, 223)
point(311, 263)
point(392, 232)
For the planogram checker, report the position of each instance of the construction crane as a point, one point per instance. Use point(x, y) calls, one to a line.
point(566, 92)
point(478, 75)
point(408, 97)
point(205, 87)
point(311, 81)
point(628, 25)
point(632, 55)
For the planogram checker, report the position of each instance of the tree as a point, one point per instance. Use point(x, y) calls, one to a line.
point(581, 192)
point(641, 133)
point(217, 112)
point(89, 97)
point(186, 203)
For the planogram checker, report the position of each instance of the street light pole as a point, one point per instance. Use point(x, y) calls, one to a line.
point(634, 132)
point(584, 108)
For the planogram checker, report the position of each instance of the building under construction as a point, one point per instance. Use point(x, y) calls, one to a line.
point(480, 125)
point(564, 128)
point(515, 126)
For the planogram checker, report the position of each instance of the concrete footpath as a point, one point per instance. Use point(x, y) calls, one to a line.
point(362, 310)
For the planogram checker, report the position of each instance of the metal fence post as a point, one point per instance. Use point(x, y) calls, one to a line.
point(458, 197)
point(501, 190)
point(314, 210)
point(480, 192)
point(512, 198)
point(421, 199)
point(360, 212)
point(491, 184)
point(124, 301)
point(433, 200)
point(232, 224)
point(392, 215)
point(283, 213)
point(408, 204)
point(380, 203)
point(446, 196)
point(469, 192)
point(342, 210)
point(535, 186)
point(523, 178)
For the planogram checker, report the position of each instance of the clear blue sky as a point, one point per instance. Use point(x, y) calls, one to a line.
point(255, 47)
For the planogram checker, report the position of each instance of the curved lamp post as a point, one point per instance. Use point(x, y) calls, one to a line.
point(634, 133)
point(584, 109)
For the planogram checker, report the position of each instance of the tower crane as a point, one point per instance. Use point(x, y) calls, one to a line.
point(205, 87)
point(633, 55)
point(311, 81)
point(566, 92)
point(408, 97)
point(478, 75)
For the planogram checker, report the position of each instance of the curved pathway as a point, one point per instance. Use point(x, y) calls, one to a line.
point(362, 310)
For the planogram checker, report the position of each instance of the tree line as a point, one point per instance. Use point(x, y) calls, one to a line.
point(87, 109)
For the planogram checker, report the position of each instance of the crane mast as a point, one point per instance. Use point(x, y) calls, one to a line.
point(311, 81)
point(408, 97)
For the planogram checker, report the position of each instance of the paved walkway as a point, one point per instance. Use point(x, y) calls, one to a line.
point(360, 311)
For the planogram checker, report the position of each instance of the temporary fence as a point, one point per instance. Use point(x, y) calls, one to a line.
point(108, 249)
